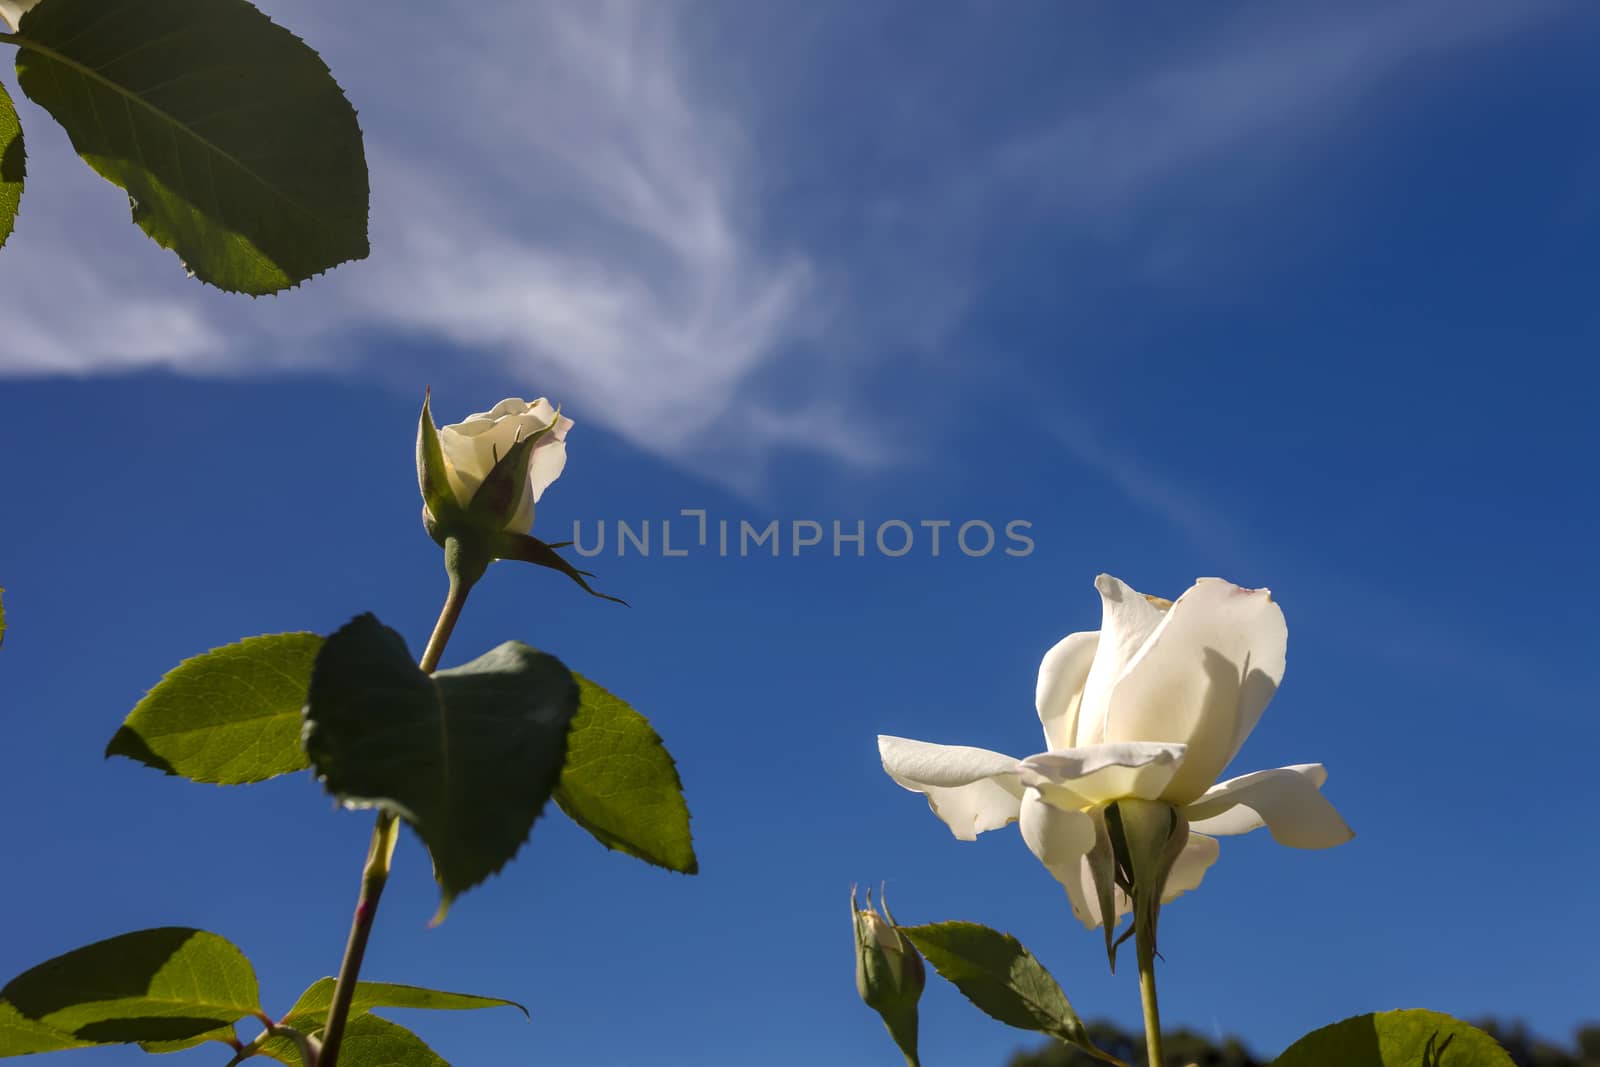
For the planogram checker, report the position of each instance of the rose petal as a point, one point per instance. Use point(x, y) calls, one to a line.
point(1078, 778)
point(1127, 619)
point(1061, 840)
point(1202, 679)
point(1198, 854)
point(1059, 693)
point(549, 460)
point(1285, 800)
point(971, 789)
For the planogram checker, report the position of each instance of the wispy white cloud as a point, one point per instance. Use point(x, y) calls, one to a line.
point(554, 199)
point(565, 201)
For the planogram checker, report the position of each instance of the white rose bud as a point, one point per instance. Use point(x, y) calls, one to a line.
point(889, 973)
point(473, 446)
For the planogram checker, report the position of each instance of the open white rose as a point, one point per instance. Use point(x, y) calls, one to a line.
point(473, 446)
point(1152, 706)
point(13, 10)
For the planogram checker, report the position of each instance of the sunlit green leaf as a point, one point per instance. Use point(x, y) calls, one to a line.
point(22, 1036)
point(165, 984)
point(13, 168)
point(229, 716)
point(236, 147)
point(1411, 1038)
point(468, 757)
point(368, 1042)
point(1000, 977)
point(309, 1014)
point(621, 784)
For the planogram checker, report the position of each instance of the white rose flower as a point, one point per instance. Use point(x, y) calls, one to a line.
point(13, 10)
point(1153, 706)
point(473, 446)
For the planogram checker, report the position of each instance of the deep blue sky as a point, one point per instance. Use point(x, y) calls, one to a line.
point(1304, 300)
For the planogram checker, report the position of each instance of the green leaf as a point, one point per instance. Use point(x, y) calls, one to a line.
point(1412, 1038)
point(1001, 977)
point(229, 716)
point(13, 168)
point(22, 1036)
point(468, 757)
point(165, 984)
point(309, 1014)
point(621, 784)
point(237, 148)
point(368, 1042)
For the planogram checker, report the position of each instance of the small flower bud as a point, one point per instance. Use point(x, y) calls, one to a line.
point(889, 973)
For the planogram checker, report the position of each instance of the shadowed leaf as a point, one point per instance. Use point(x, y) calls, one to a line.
point(235, 145)
point(165, 984)
point(468, 757)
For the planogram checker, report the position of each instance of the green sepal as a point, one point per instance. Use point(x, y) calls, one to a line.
point(529, 549)
point(165, 984)
point(13, 169)
point(1147, 838)
point(433, 471)
point(499, 496)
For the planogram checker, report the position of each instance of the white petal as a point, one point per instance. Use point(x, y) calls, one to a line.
point(971, 789)
point(1198, 854)
point(1286, 801)
point(1127, 620)
point(549, 460)
point(1202, 679)
point(1061, 840)
point(1059, 693)
point(1096, 774)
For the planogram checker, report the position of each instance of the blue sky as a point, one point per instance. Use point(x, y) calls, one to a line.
point(1299, 298)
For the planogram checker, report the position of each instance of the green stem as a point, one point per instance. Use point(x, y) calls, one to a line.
point(375, 875)
point(1145, 945)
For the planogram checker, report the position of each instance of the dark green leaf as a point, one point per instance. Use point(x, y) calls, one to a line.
point(13, 168)
point(467, 757)
point(532, 550)
point(237, 148)
point(1412, 1038)
point(165, 984)
point(21, 1036)
point(1001, 977)
point(222, 1033)
point(368, 1042)
point(309, 1014)
point(621, 784)
point(229, 716)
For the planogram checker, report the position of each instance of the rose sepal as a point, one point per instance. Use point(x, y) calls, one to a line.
point(498, 499)
point(529, 549)
point(1147, 837)
point(433, 473)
